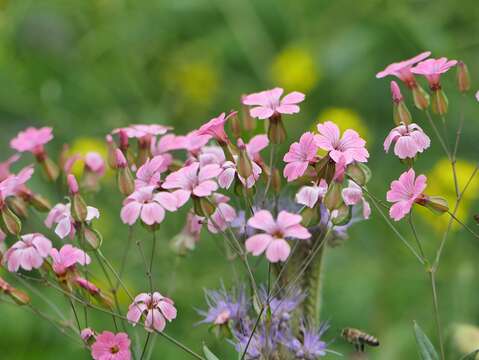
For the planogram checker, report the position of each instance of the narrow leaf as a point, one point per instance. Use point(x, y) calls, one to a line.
point(208, 354)
point(471, 355)
point(426, 349)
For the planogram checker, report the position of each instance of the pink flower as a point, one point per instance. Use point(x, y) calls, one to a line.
point(140, 131)
point(189, 235)
point(86, 334)
point(353, 195)
point(95, 163)
point(223, 215)
point(14, 184)
point(309, 195)
point(109, 346)
point(409, 139)
point(67, 257)
point(273, 240)
point(147, 205)
point(149, 174)
point(193, 141)
point(267, 103)
point(5, 166)
point(350, 145)
point(216, 127)
point(229, 171)
point(28, 253)
point(255, 146)
point(193, 180)
point(404, 193)
point(32, 140)
point(156, 308)
point(396, 92)
point(432, 70)
point(402, 69)
point(61, 215)
point(299, 156)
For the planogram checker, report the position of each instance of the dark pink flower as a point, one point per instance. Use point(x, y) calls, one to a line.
point(155, 307)
point(267, 103)
point(216, 127)
point(402, 69)
point(109, 346)
point(299, 156)
point(67, 258)
point(272, 240)
point(409, 140)
point(396, 92)
point(432, 70)
point(351, 146)
point(404, 193)
point(32, 139)
point(28, 253)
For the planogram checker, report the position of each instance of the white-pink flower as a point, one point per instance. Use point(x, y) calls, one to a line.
point(350, 145)
point(405, 192)
point(275, 232)
point(267, 103)
point(155, 307)
point(409, 140)
point(353, 195)
point(140, 130)
point(310, 195)
point(149, 174)
point(28, 253)
point(148, 205)
point(61, 215)
point(193, 180)
point(255, 146)
point(66, 258)
point(32, 140)
point(223, 215)
point(95, 163)
point(299, 156)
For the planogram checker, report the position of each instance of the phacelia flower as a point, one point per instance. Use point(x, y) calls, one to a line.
point(216, 127)
point(283, 307)
point(223, 307)
point(193, 180)
point(267, 103)
point(309, 195)
point(28, 253)
point(351, 146)
point(409, 140)
point(432, 70)
point(66, 259)
point(353, 195)
point(32, 140)
point(149, 174)
point(61, 215)
point(310, 347)
point(402, 69)
point(156, 308)
point(109, 346)
point(299, 156)
point(404, 193)
point(273, 240)
point(144, 203)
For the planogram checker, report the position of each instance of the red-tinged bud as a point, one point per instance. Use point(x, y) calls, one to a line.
point(88, 336)
point(20, 297)
point(245, 167)
point(92, 237)
point(72, 184)
point(436, 204)
point(11, 224)
point(342, 215)
point(396, 92)
point(111, 158)
point(276, 130)
point(49, 168)
point(235, 125)
point(120, 160)
point(359, 172)
point(439, 102)
point(333, 199)
point(276, 181)
point(18, 206)
point(123, 141)
point(421, 97)
point(463, 78)
point(39, 202)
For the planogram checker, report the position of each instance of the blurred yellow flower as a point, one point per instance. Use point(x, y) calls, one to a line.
point(466, 338)
point(440, 182)
point(294, 70)
point(346, 119)
point(84, 145)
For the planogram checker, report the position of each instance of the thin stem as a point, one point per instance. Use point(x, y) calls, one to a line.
point(436, 313)
point(112, 269)
point(252, 332)
point(75, 314)
point(145, 346)
point(413, 228)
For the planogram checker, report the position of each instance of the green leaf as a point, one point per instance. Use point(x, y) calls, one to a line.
point(209, 355)
point(471, 355)
point(426, 349)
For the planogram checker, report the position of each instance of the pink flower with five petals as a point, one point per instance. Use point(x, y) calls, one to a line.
point(66, 259)
point(155, 307)
point(404, 193)
point(149, 174)
point(61, 215)
point(109, 346)
point(267, 103)
point(409, 140)
point(272, 240)
point(299, 156)
point(28, 253)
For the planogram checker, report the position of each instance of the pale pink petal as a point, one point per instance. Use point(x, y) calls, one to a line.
point(263, 220)
point(130, 212)
point(278, 250)
point(256, 244)
point(152, 213)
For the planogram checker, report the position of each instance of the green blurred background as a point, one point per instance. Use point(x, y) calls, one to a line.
point(85, 67)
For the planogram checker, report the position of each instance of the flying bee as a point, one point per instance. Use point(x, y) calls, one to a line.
point(359, 338)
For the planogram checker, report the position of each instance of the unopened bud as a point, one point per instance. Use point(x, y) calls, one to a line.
point(11, 224)
point(325, 169)
point(436, 204)
point(92, 237)
point(249, 123)
point(342, 215)
point(439, 102)
point(50, 168)
point(120, 160)
point(78, 208)
point(396, 92)
point(20, 297)
point(123, 141)
point(235, 125)
point(276, 130)
point(359, 172)
point(421, 97)
point(144, 150)
point(72, 184)
point(245, 167)
point(401, 114)
point(463, 78)
point(203, 207)
point(333, 199)
point(309, 216)
point(39, 203)
point(88, 336)
point(18, 206)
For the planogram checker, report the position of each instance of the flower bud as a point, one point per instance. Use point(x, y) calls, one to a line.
point(50, 168)
point(463, 78)
point(276, 130)
point(72, 184)
point(20, 297)
point(439, 102)
point(144, 150)
point(11, 224)
point(342, 215)
point(309, 216)
point(359, 172)
point(39, 202)
point(235, 125)
point(92, 237)
point(436, 204)
point(88, 336)
point(123, 141)
point(125, 180)
point(203, 207)
point(421, 97)
point(245, 167)
point(332, 198)
point(18, 206)
point(325, 169)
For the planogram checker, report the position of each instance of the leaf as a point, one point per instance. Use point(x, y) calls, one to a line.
point(426, 348)
point(209, 355)
point(471, 355)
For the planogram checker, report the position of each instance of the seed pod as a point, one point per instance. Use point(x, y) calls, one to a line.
point(463, 78)
point(39, 202)
point(439, 102)
point(421, 97)
point(436, 204)
point(11, 224)
point(333, 199)
point(276, 130)
point(50, 168)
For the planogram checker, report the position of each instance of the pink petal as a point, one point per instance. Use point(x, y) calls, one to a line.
point(278, 250)
point(294, 97)
point(256, 244)
point(205, 188)
point(130, 212)
point(152, 213)
point(261, 112)
point(263, 220)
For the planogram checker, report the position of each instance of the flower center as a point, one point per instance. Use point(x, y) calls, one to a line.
point(114, 349)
